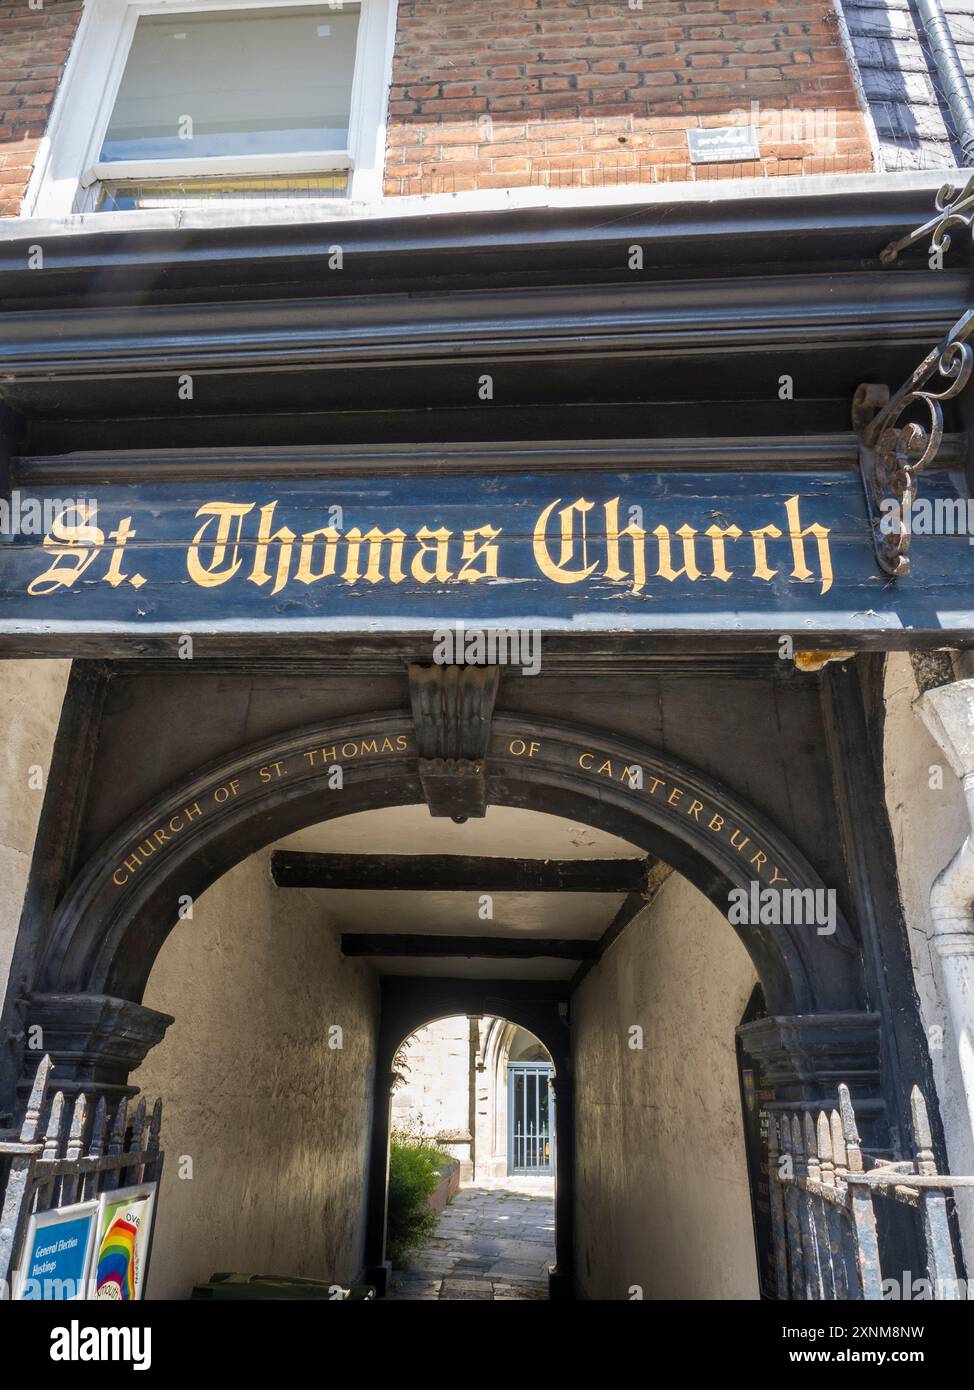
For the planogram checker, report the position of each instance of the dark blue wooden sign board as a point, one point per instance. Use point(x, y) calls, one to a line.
point(770, 553)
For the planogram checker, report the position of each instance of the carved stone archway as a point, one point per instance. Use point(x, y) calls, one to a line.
point(115, 917)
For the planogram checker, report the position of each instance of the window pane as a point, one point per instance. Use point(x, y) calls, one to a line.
point(127, 195)
point(245, 82)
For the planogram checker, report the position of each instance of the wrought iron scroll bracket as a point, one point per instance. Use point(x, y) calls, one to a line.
point(955, 208)
point(894, 452)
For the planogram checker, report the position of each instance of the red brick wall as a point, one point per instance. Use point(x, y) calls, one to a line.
point(34, 47)
point(561, 93)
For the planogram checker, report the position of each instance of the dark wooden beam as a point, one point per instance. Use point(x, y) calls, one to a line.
point(493, 947)
point(656, 875)
point(450, 873)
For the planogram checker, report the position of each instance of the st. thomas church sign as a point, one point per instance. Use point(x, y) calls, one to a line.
point(759, 552)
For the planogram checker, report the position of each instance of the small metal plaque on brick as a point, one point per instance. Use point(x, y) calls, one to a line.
point(723, 143)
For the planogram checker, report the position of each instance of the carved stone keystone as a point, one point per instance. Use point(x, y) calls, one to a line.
point(452, 709)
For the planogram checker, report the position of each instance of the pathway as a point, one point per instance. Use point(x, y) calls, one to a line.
point(493, 1243)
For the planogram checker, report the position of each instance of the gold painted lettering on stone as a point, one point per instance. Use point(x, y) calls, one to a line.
point(263, 775)
point(162, 835)
point(519, 748)
point(673, 796)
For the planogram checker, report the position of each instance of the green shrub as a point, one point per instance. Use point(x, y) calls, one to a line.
point(413, 1174)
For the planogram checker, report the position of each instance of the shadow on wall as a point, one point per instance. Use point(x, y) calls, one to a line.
point(266, 1118)
point(661, 1183)
point(913, 120)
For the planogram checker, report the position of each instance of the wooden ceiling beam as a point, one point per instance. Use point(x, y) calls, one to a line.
point(376, 944)
point(452, 873)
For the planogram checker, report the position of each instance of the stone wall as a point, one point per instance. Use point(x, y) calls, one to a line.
point(274, 1120)
point(661, 1186)
point(455, 1083)
point(434, 1097)
point(926, 809)
point(31, 695)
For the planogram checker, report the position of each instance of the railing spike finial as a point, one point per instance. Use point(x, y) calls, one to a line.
point(35, 1105)
point(55, 1121)
point(824, 1137)
point(117, 1136)
point(774, 1146)
point(79, 1115)
point(849, 1130)
point(138, 1123)
point(922, 1133)
point(838, 1144)
point(75, 1147)
point(811, 1147)
point(797, 1144)
point(97, 1148)
point(51, 1150)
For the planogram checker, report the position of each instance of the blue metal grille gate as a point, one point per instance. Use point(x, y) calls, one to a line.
point(531, 1119)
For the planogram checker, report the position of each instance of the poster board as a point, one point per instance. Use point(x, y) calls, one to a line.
point(120, 1261)
point(57, 1254)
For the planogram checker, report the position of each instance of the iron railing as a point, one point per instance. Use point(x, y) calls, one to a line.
point(823, 1212)
point(74, 1163)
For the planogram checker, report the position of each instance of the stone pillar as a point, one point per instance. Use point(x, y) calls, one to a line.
point(804, 1057)
point(948, 713)
point(94, 1039)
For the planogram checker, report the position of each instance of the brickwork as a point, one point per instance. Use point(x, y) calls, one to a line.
point(561, 93)
point(34, 46)
point(496, 94)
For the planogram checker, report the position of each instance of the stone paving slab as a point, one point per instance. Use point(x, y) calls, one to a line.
point(467, 1289)
point(493, 1243)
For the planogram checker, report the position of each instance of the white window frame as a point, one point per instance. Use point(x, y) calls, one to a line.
point(67, 158)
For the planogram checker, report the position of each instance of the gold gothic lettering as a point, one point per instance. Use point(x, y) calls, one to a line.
point(570, 543)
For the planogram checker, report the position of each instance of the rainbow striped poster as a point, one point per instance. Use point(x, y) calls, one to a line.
point(124, 1226)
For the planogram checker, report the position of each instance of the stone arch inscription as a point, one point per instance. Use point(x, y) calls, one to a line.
point(115, 917)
